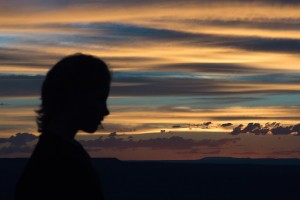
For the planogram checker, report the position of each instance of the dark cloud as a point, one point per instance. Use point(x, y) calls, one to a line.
point(255, 128)
point(272, 125)
point(205, 2)
point(109, 35)
point(212, 68)
point(152, 34)
point(137, 3)
point(207, 123)
point(276, 78)
point(270, 2)
point(263, 44)
point(113, 134)
point(283, 24)
point(172, 143)
point(27, 58)
point(167, 86)
point(226, 125)
point(18, 143)
point(148, 85)
point(24, 143)
point(281, 130)
point(237, 130)
point(269, 128)
point(116, 34)
point(131, 34)
point(20, 85)
point(19, 139)
point(228, 99)
point(296, 128)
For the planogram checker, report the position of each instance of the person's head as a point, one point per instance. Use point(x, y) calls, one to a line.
point(76, 88)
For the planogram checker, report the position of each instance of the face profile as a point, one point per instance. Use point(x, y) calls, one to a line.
point(74, 95)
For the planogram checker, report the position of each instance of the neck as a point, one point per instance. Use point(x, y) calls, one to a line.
point(63, 128)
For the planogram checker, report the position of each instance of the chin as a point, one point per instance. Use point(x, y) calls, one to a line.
point(90, 126)
point(90, 129)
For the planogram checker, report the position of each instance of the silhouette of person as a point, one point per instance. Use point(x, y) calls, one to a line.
point(73, 98)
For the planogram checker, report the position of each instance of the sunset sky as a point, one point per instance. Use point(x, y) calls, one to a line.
point(176, 65)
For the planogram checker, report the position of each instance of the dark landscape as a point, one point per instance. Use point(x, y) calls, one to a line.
point(209, 178)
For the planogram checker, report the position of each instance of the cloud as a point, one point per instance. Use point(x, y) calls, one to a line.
point(207, 123)
point(226, 125)
point(112, 37)
point(227, 100)
point(276, 78)
point(254, 128)
point(19, 143)
point(267, 23)
point(35, 60)
point(172, 143)
point(281, 130)
point(149, 84)
point(31, 5)
point(116, 33)
point(237, 130)
point(20, 139)
point(283, 45)
point(269, 128)
point(212, 68)
point(121, 43)
point(113, 134)
point(190, 86)
point(165, 87)
point(126, 33)
point(20, 85)
point(23, 143)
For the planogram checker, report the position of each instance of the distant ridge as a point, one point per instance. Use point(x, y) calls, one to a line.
point(207, 160)
point(225, 161)
point(107, 161)
point(254, 161)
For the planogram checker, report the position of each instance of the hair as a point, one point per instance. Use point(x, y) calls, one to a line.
point(74, 75)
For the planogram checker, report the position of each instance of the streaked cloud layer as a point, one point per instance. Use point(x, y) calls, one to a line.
point(179, 62)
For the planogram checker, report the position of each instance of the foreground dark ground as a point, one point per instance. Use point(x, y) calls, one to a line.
point(204, 179)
